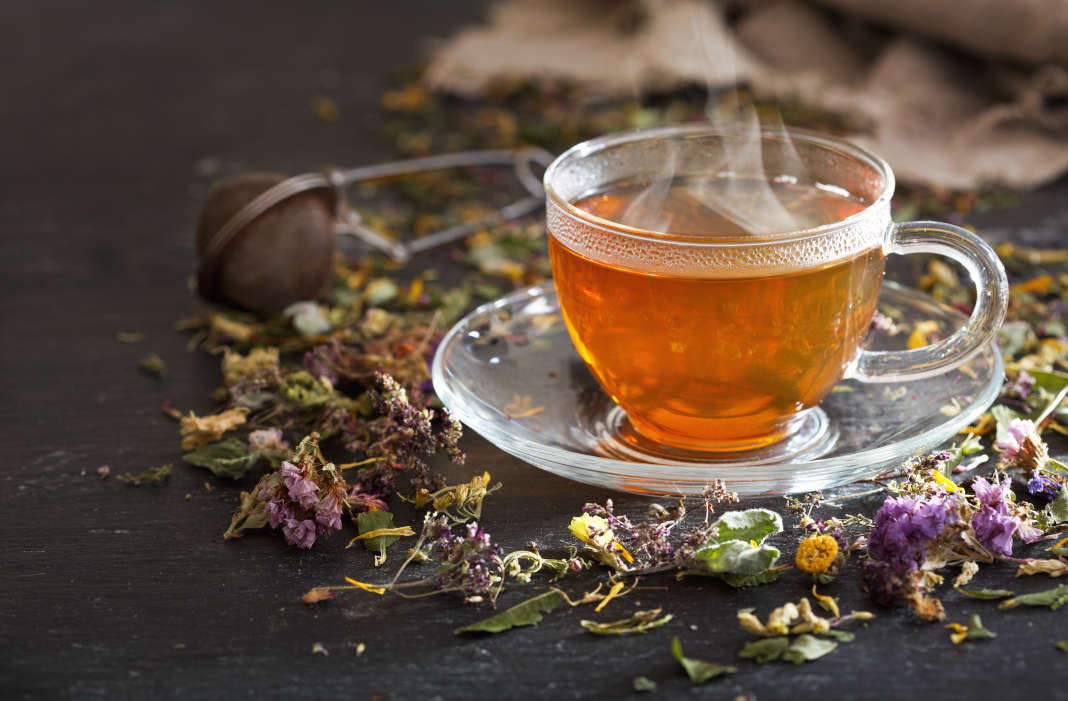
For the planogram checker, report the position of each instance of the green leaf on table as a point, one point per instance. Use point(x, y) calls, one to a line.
point(526, 613)
point(1054, 598)
point(737, 557)
point(644, 684)
point(985, 593)
point(842, 636)
point(640, 622)
point(750, 524)
point(698, 671)
point(765, 649)
point(1061, 645)
point(1003, 416)
point(1050, 381)
point(973, 631)
point(806, 648)
point(375, 521)
point(1052, 387)
point(1058, 508)
point(971, 444)
point(251, 512)
point(227, 458)
point(739, 581)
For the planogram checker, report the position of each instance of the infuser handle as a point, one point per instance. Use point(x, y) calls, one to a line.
point(991, 302)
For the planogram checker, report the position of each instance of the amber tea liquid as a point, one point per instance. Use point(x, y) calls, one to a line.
point(708, 359)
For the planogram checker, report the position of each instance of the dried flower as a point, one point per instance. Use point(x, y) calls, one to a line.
point(304, 497)
point(600, 541)
point(267, 439)
point(300, 533)
point(903, 531)
point(1043, 487)
point(904, 526)
point(993, 523)
point(198, 431)
point(816, 553)
point(1023, 446)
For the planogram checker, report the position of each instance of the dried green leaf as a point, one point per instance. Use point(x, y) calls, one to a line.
point(640, 622)
point(153, 475)
point(1054, 598)
point(738, 557)
point(698, 671)
point(985, 593)
point(129, 336)
point(373, 521)
point(526, 613)
point(227, 458)
point(251, 512)
point(153, 365)
point(1058, 508)
point(1003, 416)
point(738, 581)
point(842, 636)
point(644, 684)
point(765, 649)
point(747, 525)
point(1061, 645)
point(806, 648)
point(976, 630)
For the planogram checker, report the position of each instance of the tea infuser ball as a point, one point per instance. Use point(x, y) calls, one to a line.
point(266, 241)
point(283, 255)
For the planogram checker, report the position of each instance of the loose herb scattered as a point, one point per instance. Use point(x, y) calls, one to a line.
point(699, 671)
point(153, 475)
point(640, 622)
point(351, 370)
point(527, 613)
point(974, 630)
point(153, 365)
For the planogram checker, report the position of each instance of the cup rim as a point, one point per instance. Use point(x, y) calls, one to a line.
point(600, 143)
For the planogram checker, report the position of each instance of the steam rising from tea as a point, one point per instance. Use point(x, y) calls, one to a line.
point(722, 206)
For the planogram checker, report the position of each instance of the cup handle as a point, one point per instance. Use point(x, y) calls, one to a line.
point(991, 301)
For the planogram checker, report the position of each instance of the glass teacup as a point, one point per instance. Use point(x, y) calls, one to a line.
point(718, 283)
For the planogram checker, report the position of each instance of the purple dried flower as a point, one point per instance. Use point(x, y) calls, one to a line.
point(277, 512)
point(300, 533)
point(322, 361)
point(905, 526)
point(994, 529)
point(328, 513)
point(1019, 430)
point(267, 439)
point(301, 490)
point(882, 581)
point(993, 494)
point(1043, 487)
point(1020, 388)
point(470, 563)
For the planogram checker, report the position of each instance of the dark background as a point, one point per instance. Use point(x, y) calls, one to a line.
point(115, 118)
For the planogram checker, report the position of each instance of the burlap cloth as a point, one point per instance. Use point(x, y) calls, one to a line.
point(953, 93)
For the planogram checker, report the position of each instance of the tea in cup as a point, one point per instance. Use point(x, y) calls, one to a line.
point(719, 283)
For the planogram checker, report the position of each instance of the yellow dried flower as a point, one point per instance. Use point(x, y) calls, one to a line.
point(198, 431)
point(816, 553)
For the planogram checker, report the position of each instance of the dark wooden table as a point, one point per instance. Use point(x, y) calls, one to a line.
point(115, 115)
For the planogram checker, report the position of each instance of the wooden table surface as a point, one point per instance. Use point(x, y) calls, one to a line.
point(114, 116)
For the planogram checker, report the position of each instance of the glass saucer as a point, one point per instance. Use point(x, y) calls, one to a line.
point(509, 371)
